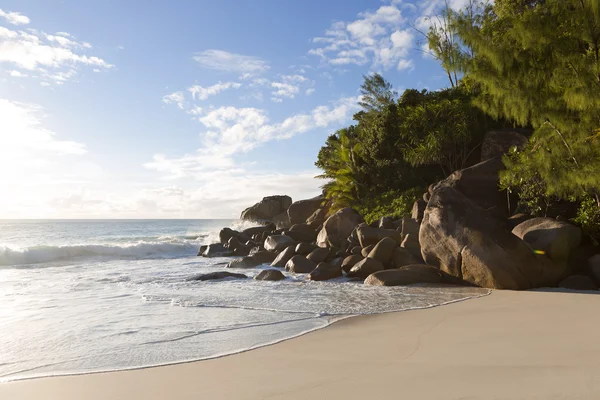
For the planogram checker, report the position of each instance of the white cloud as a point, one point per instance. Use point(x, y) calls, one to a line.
point(175, 98)
point(17, 74)
point(406, 65)
point(310, 91)
point(232, 130)
point(14, 18)
point(284, 90)
point(53, 59)
point(383, 38)
point(203, 93)
point(375, 37)
point(230, 62)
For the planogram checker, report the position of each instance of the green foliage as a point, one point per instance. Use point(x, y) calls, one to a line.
point(538, 64)
point(396, 204)
point(399, 145)
point(588, 217)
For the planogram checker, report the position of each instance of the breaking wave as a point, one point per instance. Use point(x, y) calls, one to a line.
point(140, 250)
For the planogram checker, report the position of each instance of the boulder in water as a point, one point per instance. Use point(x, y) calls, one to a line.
point(300, 265)
point(267, 208)
point(325, 271)
point(216, 275)
point(269, 275)
point(216, 250)
point(278, 242)
point(407, 275)
point(338, 227)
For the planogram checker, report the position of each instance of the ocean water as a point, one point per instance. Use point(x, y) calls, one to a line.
point(89, 296)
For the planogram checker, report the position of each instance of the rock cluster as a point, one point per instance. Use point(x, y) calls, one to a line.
point(461, 233)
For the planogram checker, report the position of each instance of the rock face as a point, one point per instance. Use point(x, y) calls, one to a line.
point(216, 275)
point(216, 250)
point(365, 267)
point(325, 271)
point(463, 240)
point(278, 242)
point(283, 257)
point(384, 250)
point(407, 275)
point(300, 265)
point(556, 239)
point(497, 143)
point(338, 227)
point(479, 183)
point(267, 208)
point(368, 235)
point(578, 282)
point(300, 211)
point(269, 275)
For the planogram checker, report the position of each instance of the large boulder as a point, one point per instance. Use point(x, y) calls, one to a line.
point(217, 250)
point(403, 257)
point(318, 255)
point(305, 248)
point(267, 208)
point(216, 275)
point(300, 265)
point(407, 275)
point(384, 250)
point(412, 245)
point(351, 261)
point(325, 271)
point(269, 275)
point(278, 242)
point(479, 183)
point(578, 282)
point(300, 211)
point(317, 217)
point(338, 227)
point(283, 257)
point(497, 143)
point(464, 240)
point(555, 239)
point(365, 267)
point(302, 233)
point(368, 235)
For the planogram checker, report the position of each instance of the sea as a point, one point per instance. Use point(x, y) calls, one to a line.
point(82, 296)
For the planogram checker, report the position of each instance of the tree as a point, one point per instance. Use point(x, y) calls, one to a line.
point(377, 93)
point(538, 64)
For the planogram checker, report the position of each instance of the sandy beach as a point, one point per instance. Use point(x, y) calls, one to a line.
point(508, 345)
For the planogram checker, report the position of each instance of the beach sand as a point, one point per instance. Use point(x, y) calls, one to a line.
point(509, 345)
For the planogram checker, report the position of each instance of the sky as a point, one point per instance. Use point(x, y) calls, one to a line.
point(188, 109)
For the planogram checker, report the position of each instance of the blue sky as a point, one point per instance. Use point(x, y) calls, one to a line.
point(187, 109)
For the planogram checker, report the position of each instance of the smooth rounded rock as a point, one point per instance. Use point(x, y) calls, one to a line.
point(269, 275)
point(283, 257)
point(278, 242)
point(300, 265)
point(384, 250)
point(325, 271)
point(364, 268)
point(407, 275)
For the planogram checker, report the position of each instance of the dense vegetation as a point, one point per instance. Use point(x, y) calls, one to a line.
point(514, 63)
